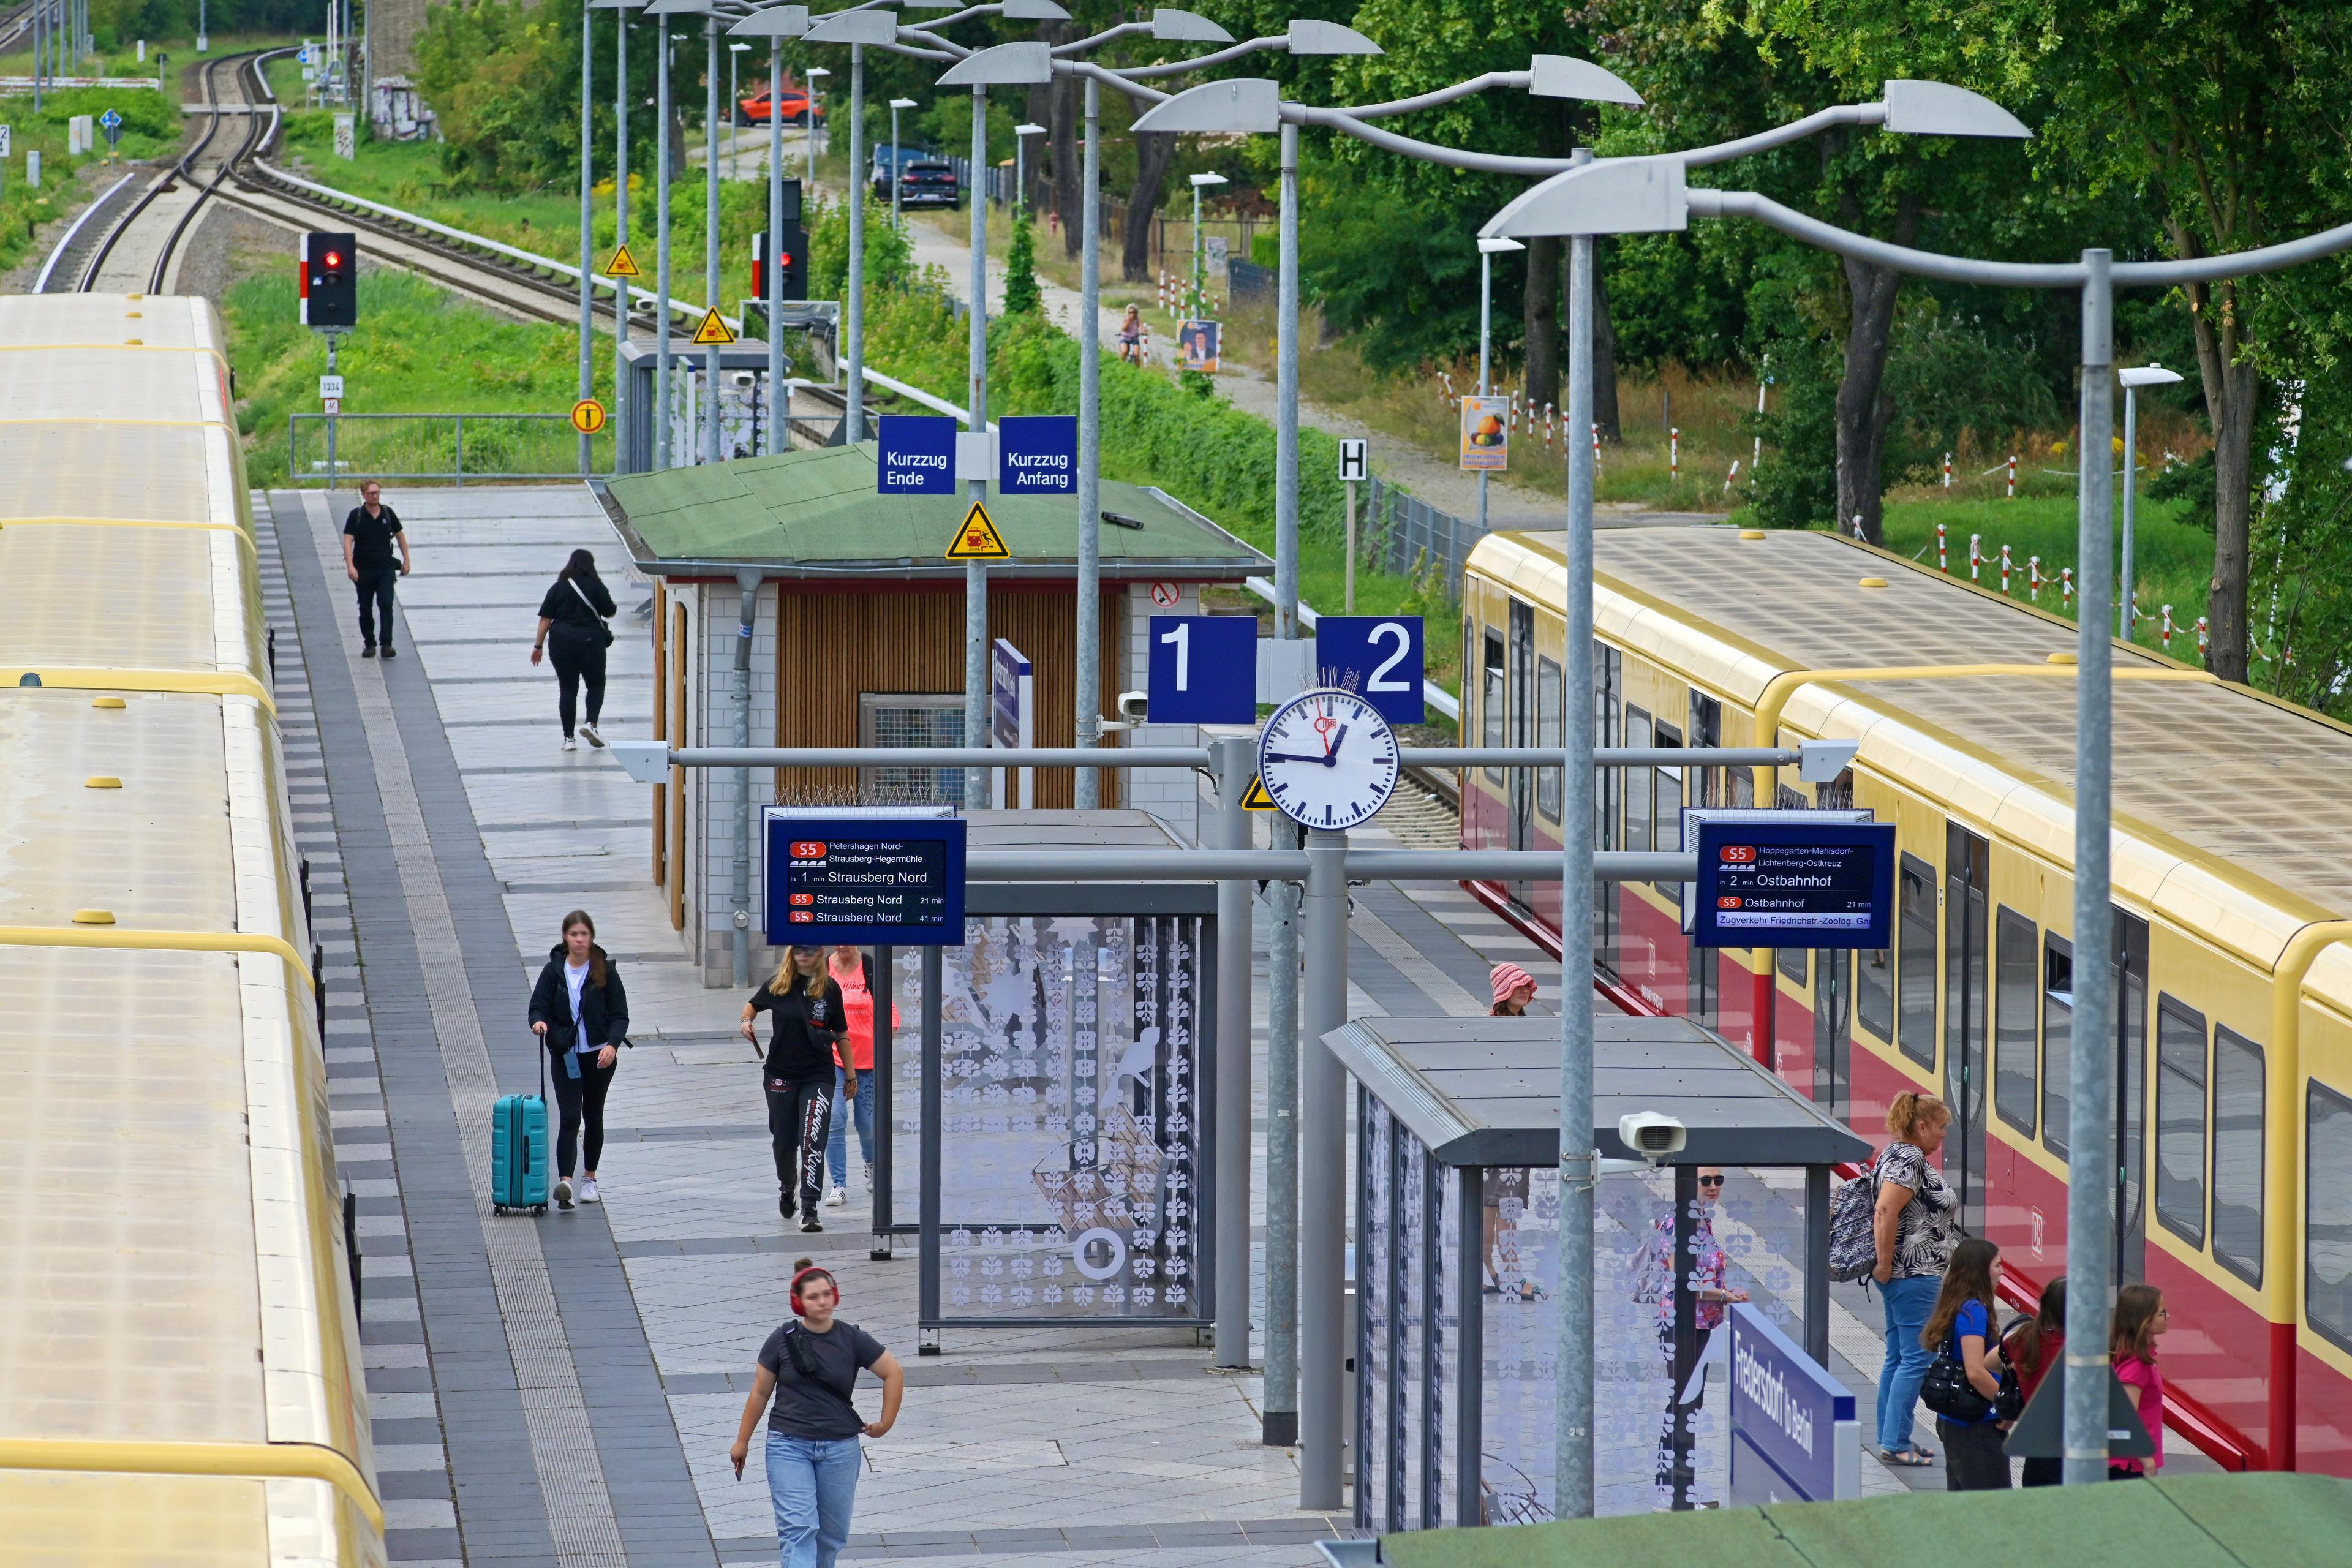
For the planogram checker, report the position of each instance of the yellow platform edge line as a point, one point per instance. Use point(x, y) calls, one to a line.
point(118, 348)
point(220, 683)
point(8, 522)
point(158, 941)
point(97, 419)
point(277, 1461)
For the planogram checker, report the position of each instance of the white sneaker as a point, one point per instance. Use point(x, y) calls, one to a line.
point(570, 744)
point(563, 1193)
point(588, 733)
point(835, 1199)
point(588, 1192)
point(869, 1176)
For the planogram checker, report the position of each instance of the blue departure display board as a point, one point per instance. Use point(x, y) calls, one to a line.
point(1793, 883)
point(864, 880)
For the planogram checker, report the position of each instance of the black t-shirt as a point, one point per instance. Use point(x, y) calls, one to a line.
point(805, 1028)
point(819, 1408)
point(370, 537)
point(566, 609)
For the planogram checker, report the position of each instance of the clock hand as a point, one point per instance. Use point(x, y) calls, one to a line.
point(1331, 758)
point(1285, 757)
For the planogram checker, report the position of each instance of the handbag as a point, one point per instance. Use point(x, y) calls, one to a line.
point(604, 627)
point(1947, 1391)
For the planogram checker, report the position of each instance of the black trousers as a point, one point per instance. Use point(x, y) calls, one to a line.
point(2045, 1472)
point(577, 658)
point(1973, 1461)
point(374, 588)
point(800, 1119)
point(580, 1102)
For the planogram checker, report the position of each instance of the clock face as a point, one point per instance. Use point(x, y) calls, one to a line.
point(1328, 759)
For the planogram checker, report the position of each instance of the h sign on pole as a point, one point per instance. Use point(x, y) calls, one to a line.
point(1355, 465)
point(1203, 669)
point(1377, 658)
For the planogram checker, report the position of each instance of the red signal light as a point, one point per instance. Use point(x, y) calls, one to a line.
point(334, 259)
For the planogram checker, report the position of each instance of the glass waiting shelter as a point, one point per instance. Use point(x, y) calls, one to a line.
point(1457, 1199)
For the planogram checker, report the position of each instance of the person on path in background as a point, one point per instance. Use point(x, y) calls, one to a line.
point(2140, 1318)
point(810, 1368)
point(1651, 1272)
point(1962, 1327)
point(1514, 988)
point(370, 531)
point(1916, 1222)
point(572, 612)
point(580, 1013)
point(1131, 336)
point(2033, 1346)
point(811, 1019)
point(853, 1071)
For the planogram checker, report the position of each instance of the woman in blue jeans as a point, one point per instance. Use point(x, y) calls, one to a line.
point(1916, 1222)
point(810, 1368)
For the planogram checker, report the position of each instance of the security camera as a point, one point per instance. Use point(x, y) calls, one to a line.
point(1134, 706)
point(1651, 1135)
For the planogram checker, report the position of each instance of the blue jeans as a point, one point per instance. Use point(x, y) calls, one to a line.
point(1909, 1303)
point(861, 1111)
point(812, 1482)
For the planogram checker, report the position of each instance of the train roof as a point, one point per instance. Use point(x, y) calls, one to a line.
point(2239, 786)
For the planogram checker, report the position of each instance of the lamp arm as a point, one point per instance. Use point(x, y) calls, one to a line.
point(1781, 135)
point(1123, 30)
point(1177, 67)
point(1345, 122)
point(1519, 79)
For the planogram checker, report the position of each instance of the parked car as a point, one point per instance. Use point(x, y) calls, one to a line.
point(890, 162)
point(929, 182)
point(793, 102)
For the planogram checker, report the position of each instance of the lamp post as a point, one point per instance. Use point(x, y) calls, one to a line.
point(587, 225)
point(775, 23)
point(1020, 135)
point(1199, 183)
point(734, 98)
point(814, 74)
point(898, 156)
point(665, 9)
point(1487, 250)
point(620, 9)
point(2126, 602)
point(713, 439)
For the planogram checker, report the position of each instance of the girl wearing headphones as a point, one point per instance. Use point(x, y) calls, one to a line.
point(810, 1367)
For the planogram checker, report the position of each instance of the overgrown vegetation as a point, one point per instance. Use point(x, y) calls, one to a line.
point(151, 129)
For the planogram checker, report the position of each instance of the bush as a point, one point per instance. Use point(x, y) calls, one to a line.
point(145, 113)
point(1795, 486)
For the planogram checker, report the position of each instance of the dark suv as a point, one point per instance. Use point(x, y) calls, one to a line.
point(928, 181)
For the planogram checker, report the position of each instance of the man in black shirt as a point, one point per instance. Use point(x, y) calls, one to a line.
point(369, 534)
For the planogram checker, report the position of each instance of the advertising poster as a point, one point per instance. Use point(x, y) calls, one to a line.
point(1196, 346)
point(1485, 434)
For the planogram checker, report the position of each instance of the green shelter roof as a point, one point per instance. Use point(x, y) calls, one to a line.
point(2257, 1521)
point(817, 514)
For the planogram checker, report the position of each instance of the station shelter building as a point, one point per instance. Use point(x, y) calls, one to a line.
point(858, 640)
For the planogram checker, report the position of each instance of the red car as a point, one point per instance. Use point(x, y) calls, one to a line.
point(793, 102)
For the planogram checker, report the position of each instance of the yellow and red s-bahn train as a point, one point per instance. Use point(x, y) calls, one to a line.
point(180, 1363)
point(2232, 862)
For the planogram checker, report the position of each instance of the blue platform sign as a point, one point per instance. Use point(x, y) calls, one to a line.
point(1377, 658)
point(1203, 669)
point(111, 120)
point(1037, 455)
point(833, 879)
point(917, 456)
point(1787, 879)
point(1794, 1437)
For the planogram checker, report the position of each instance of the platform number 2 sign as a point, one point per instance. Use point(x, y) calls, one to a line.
point(1378, 657)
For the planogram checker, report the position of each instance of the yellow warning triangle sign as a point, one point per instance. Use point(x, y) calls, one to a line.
point(712, 332)
point(623, 265)
point(976, 538)
point(1256, 798)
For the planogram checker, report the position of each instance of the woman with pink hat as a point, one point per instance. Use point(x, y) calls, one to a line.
point(1513, 989)
point(1507, 1185)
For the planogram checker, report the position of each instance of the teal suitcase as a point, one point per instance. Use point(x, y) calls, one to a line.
point(518, 1154)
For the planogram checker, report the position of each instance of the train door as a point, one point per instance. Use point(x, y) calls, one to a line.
point(1967, 942)
point(1520, 783)
point(1608, 691)
point(2130, 957)
point(1833, 1031)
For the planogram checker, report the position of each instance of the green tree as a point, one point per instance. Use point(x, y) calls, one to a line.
point(1022, 297)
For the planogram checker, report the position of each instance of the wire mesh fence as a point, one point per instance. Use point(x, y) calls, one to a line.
point(448, 448)
point(1409, 536)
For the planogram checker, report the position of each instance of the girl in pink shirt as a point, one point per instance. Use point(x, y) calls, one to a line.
point(2138, 1318)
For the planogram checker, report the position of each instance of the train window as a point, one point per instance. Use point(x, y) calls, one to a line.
point(1916, 973)
point(1637, 783)
point(2327, 1214)
point(1491, 712)
point(1667, 836)
point(2057, 1038)
point(2016, 996)
point(1873, 991)
point(2180, 1119)
point(1551, 716)
point(2238, 1154)
point(1706, 786)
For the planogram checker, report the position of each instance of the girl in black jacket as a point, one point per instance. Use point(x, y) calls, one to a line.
point(573, 611)
point(582, 1013)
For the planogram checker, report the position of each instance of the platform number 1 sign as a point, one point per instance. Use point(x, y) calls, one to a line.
point(1203, 669)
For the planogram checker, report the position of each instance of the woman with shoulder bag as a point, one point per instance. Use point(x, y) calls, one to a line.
point(1915, 1223)
point(580, 1013)
point(811, 1369)
point(1964, 1386)
point(574, 611)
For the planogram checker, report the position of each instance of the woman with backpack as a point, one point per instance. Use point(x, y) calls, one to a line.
point(2032, 1348)
point(1960, 1331)
point(573, 611)
point(810, 1368)
point(1915, 1226)
point(580, 1013)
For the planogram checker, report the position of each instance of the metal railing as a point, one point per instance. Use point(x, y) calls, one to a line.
point(1410, 535)
point(450, 447)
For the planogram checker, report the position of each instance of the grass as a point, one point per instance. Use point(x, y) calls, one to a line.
point(419, 349)
point(23, 209)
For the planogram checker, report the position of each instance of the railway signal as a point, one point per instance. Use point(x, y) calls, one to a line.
point(793, 259)
point(330, 281)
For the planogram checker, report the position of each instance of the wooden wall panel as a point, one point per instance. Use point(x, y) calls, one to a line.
point(833, 644)
point(661, 728)
point(681, 658)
